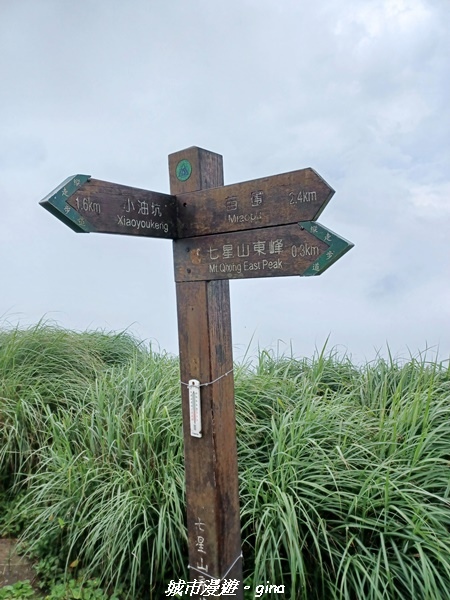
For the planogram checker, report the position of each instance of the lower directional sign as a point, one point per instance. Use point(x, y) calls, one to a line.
point(87, 205)
point(305, 248)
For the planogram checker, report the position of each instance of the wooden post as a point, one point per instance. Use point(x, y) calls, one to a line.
point(204, 329)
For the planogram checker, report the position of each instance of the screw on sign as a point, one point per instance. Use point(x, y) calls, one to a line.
point(261, 228)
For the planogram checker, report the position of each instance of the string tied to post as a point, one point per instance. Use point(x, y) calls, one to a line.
point(210, 382)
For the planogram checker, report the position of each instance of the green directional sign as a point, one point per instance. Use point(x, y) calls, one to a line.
point(306, 248)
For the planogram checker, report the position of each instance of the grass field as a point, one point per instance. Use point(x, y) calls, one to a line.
point(344, 469)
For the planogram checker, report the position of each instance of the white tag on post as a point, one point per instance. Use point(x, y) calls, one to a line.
point(195, 408)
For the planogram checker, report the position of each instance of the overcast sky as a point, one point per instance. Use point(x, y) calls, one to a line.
point(357, 89)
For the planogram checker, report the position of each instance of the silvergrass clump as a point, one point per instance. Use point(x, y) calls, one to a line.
point(343, 469)
point(91, 427)
point(110, 486)
point(349, 496)
point(45, 370)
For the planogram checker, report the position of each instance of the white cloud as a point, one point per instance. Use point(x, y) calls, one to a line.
point(357, 90)
point(432, 201)
point(376, 18)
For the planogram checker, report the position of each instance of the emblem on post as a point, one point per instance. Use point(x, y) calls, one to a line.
point(183, 170)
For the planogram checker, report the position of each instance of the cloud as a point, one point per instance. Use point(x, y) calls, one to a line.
point(358, 90)
point(21, 151)
point(432, 201)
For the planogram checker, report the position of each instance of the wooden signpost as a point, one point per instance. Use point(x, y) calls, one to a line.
point(261, 228)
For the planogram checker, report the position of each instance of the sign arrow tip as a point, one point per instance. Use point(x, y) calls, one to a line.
point(56, 204)
point(337, 247)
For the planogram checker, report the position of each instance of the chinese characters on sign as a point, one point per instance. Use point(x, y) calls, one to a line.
point(258, 248)
point(303, 249)
point(271, 201)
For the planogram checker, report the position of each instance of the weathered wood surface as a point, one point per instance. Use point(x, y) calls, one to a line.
point(278, 200)
point(269, 252)
point(204, 327)
point(92, 205)
point(306, 248)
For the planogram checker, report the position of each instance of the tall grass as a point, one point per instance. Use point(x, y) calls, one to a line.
point(350, 491)
point(344, 469)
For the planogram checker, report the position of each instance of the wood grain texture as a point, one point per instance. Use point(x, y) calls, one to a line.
point(204, 328)
point(277, 200)
point(207, 170)
point(121, 209)
point(268, 252)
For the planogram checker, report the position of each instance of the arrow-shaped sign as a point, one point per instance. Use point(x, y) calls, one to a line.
point(305, 248)
point(278, 200)
point(86, 205)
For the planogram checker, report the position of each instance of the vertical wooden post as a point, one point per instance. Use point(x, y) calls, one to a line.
point(204, 330)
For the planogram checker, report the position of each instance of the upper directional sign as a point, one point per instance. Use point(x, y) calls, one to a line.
point(86, 205)
point(277, 200)
point(305, 248)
